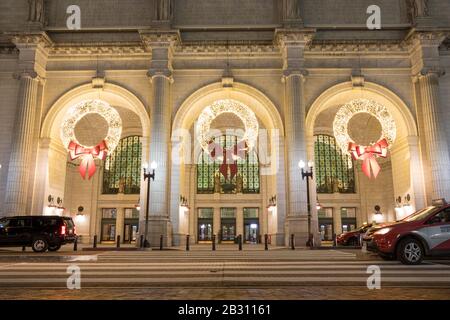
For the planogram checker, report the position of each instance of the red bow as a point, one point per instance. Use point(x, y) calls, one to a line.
point(368, 155)
point(229, 156)
point(87, 156)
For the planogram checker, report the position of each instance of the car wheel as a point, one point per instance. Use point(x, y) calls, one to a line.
point(54, 247)
point(39, 245)
point(410, 251)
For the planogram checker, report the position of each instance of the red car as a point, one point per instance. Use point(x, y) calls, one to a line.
point(351, 238)
point(424, 233)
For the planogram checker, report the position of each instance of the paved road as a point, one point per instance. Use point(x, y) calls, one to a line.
point(220, 269)
point(160, 274)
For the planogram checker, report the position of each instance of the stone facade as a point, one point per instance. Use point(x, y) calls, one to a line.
point(160, 63)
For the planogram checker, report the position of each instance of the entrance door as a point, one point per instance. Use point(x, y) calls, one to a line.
point(228, 224)
point(228, 230)
point(251, 231)
point(205, 230)
point(109, 224)
point(130, 232)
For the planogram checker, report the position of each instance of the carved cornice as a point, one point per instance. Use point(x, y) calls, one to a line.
point(234, 48)
point(33, 39)
point(9, 50)
point(425, 38)
point(160, 38)
point(294, 37)
point(98, 49)
point(356, 46)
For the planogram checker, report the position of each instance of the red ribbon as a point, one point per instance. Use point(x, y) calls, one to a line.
point(229, 156)
point(87, 156)
point(368, 156)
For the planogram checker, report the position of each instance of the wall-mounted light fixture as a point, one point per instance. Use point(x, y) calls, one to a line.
point(184, 203)
point(272, 203)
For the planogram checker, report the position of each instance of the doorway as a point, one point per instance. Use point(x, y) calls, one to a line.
point(228, 224)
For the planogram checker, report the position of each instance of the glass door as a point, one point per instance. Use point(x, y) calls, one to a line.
point(228, 224)
point(108, 225)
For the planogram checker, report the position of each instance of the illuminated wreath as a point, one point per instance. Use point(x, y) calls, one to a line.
point(367, 154)
point(89, 153)
point(227, 106)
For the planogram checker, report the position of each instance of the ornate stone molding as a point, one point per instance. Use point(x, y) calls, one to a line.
point(303, 73)
point(294, 37)
point(165, 73)
point(160, 38)
point(98, 49)
point(36, 39)
point(358, 81)
point(348, 47)
point(234, 48)
point(427, 38)
point(9, 50)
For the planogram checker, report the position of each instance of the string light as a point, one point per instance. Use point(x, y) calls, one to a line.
point(102, 108)
point(227, 106)
point(346, 112)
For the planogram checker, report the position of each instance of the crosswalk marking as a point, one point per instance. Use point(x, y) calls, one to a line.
point(221, 269)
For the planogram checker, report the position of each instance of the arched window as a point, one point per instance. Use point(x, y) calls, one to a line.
point(122, 170)
point(334, 170)
point(246, 180)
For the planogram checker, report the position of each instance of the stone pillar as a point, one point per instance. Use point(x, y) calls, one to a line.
point(437, 146)
point(120, 223)
point(17, 187)
point(293, 45)
point(337, 220)
point(240, 222)
point(160, 74)
point(216, 222)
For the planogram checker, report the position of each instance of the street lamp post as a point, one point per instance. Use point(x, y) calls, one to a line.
point(308, 175)
point(147, 177)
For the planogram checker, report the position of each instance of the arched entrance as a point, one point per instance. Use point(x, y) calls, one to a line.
point(238, 209)
point(401, 173)
point(111, 196)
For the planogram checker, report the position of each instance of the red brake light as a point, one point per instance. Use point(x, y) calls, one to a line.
point(63, 230)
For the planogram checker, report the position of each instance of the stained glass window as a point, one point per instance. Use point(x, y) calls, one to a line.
point(334, 170)
point(246, 180)
point(122, 170)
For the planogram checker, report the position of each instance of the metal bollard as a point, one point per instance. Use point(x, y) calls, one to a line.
point(334, 240)
point(266, 242)
point(75, 244)
point(118, 242)
point(161, 242)
point(292, 241)
point(240, 242)
point(187, 243)
point(23, 248)
point(95, 242)
point(141, 241)
point(213, 242)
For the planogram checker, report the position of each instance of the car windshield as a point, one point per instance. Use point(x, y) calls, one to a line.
point(421, 214)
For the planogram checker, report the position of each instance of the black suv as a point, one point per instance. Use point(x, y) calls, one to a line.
point(42, 233)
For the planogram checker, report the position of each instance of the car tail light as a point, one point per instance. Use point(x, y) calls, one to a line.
point(63, 230)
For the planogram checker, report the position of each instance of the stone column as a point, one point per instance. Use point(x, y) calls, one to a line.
point(216, 223)
point(17, 187)
point(293, 45)
point(240, 222)
point(120, 223)
point(160, 74)
point(337, 220)
point(437, 146)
